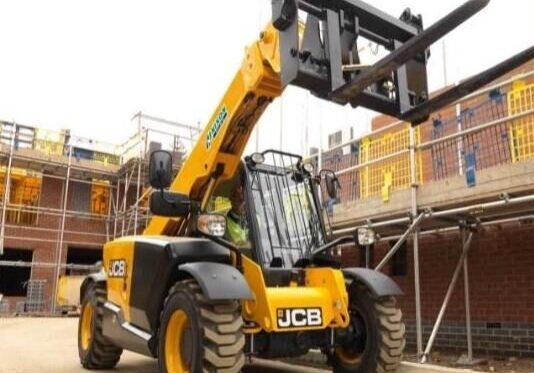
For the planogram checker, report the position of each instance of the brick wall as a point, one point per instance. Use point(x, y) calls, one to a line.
point(501, 288)
point(500, 260)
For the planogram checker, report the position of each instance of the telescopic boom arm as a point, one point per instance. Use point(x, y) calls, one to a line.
point(217, 154)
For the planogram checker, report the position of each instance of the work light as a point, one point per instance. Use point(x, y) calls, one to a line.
point(366, 236)
point(257, 158)
point(212, 224)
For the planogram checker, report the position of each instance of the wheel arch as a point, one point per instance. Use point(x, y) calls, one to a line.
point(98, 277)
point(378, 283)
point(218, 281)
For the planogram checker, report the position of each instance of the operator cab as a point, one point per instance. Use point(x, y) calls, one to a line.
point(285, 214)
point(272, 213)
point(284, 209)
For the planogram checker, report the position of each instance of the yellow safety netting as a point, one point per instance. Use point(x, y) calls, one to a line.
point(382, 178)
point(25, 192)
point(520, 100)
point(99, 197)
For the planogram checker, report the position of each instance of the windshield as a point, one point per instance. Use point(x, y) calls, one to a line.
point(285, 212)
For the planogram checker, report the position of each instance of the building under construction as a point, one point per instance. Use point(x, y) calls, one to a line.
point(66, 197)
point(454, 193)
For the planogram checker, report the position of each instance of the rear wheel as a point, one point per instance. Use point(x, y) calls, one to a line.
point(95, 350)
point(375, 340)
point(199, 336)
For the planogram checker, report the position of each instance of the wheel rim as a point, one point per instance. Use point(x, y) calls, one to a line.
point(178, 343)
point(87, 325)
point(352, 351)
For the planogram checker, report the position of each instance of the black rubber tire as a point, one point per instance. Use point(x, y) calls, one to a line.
point(385, 334)
point(101, 353)
point(216, 330)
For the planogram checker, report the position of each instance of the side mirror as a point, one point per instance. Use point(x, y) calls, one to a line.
point(160, 169)
point(332, 183)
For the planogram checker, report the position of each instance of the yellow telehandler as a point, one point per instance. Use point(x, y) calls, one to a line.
point(190, 294)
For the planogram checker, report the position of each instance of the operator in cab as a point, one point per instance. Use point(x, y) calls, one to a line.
point(236, 220)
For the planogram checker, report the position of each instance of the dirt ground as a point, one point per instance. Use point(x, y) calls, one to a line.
point(488, 363)
point(49, 345)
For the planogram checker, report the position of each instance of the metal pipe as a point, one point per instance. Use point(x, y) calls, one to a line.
point(467, 310)
point(138, 186)
point(465, 98)
point(81, 181)
point(165, 121)
point(455, 211)
point(487, 205)
point(403, 238)
point(370, 163)
point(110, 174)
point(62, 231)
point(514, 78)
point(448, 295)
point(417, 274)
point(475, 129)
point(373, 225)
point(7, 188)
point(149, 189)
point(79, 243)
point(460, 140)
point(127, 181)
point(52, 211)
point(11, 226)
point(23, 264)
point(115, 200)
point(108, 220)
point(455, 228)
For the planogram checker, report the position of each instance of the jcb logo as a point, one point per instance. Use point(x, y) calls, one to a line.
point(299, 317)
point(117, 268)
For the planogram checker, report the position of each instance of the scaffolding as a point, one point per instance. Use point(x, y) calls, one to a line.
point(487, 133)
point(114, 178)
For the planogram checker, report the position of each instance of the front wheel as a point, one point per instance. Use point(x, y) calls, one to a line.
point(375, 339)
point(199, 336)
point(95, 350)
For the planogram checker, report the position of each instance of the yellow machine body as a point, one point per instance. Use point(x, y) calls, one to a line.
point(324, 290)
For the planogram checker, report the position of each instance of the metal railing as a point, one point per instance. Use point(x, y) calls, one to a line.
point(483, 130)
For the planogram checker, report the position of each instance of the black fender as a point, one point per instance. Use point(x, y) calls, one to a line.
point(378, 283)
point(218, 281)
point(93, 277)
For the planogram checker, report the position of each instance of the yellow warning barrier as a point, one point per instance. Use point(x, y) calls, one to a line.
point(68, 291)
point(99, 197)
point(521, 99)
point(382, 178)
point(49, 142)
point(25, 191)
point(106, 158)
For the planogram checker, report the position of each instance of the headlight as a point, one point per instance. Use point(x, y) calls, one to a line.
point(366, 236)
point(212, 224)
point(257, 158)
